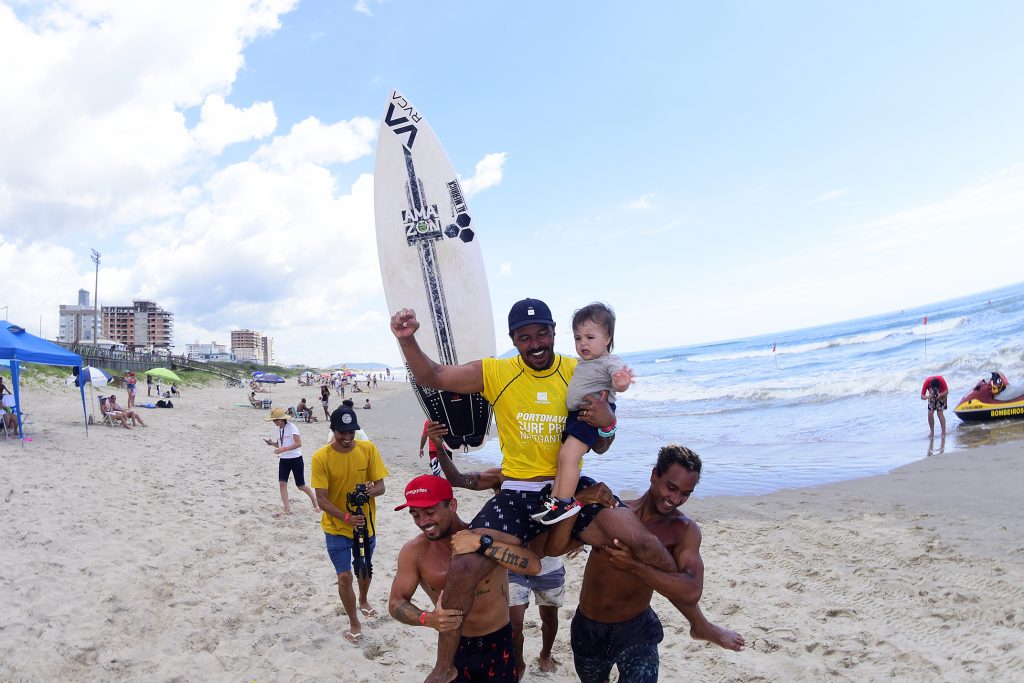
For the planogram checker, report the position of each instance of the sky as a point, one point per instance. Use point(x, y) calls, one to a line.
point(711, 170)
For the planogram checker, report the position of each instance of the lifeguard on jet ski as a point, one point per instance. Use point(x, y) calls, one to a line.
point(991, 399)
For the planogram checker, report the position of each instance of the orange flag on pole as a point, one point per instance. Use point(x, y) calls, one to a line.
point(925, 321)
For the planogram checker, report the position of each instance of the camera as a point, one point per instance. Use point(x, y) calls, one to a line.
point(359, 497)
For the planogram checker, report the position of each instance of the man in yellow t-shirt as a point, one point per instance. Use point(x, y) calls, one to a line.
point(527, 394)
point(337, 469)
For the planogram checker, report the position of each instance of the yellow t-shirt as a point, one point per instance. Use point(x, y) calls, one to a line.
point(339, 473)
point(529, 409)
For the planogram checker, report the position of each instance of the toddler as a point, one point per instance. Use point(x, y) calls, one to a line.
point(593, 328)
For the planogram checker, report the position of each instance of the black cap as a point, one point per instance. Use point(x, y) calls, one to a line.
point(528, 312)
point(343, 419)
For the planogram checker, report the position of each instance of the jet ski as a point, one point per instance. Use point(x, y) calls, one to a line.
point(991, 399)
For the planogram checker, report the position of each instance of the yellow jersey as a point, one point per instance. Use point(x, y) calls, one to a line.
point(529, 409)
point(339, 473)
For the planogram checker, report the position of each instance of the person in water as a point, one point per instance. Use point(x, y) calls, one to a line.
point(935, 391)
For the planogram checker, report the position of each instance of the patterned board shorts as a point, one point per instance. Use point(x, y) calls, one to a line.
point(509, 511)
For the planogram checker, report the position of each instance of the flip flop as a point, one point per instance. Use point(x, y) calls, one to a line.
point(354, 638)
point(369, 612)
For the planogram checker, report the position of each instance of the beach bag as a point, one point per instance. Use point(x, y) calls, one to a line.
point(164, 404)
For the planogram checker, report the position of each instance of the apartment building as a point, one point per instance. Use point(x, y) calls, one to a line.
point(143, 326)
point(76, 322)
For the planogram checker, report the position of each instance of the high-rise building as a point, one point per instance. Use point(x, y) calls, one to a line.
point(143, 326)
point(247, 345)
point(76, 320)
point(268, 350)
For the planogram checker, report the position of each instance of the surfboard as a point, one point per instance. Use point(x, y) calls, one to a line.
point(430, 260)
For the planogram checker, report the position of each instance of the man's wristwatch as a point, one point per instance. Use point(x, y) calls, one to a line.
point(485, 543)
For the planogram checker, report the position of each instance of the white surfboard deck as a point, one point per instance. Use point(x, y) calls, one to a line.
point(429, 249)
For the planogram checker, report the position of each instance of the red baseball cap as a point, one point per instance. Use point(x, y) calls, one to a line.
point(426, 491)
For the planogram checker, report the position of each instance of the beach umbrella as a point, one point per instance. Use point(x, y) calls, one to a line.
point(95, 377)
point(163, 373)
point(257, 374)
point(92, 375)
point(267, 378)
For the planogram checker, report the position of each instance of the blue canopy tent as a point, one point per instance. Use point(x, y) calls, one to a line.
point(18, 346)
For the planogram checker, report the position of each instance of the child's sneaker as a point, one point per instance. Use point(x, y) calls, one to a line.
point(557, 510)
point(546, 501)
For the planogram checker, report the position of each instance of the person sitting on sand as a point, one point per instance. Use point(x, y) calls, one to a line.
point(253, 401)
point(366, 406)
point(129, 414)
point(303, 411)
point(10, 420)
point(107, 410)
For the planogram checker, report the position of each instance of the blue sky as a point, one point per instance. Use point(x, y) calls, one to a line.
point(712, 170)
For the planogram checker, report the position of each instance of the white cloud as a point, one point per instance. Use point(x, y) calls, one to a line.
point(311, 141)
point(221, 124)
point(97, 152)
point(829, 196)
point(488, 174)
point(363, 7)
point(92, 104)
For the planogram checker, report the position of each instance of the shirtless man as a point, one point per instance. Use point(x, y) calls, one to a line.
point(677, 460)
point(485, 650)
point(614, 623)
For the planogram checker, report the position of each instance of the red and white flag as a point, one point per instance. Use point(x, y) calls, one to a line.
point(925, 321)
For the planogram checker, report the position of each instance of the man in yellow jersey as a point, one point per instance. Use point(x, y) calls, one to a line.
point(527, 394)
point(348, 475)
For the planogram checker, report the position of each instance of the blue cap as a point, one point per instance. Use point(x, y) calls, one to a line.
point(528, 312)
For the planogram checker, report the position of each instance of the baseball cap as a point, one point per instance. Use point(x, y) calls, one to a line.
point(426, 491)
point(528, 312)
point(343, 419)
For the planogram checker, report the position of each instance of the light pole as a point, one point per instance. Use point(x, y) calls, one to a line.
point(95, 298)
point(5, 312)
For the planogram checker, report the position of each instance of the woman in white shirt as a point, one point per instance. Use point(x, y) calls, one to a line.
point(288, 446)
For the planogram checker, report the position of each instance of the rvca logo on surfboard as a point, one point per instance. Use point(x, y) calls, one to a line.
point(412, 114)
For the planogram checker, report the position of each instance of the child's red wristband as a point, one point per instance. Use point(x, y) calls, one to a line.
point(423, 618)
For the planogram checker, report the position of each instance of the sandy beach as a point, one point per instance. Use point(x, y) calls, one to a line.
point(153, 554)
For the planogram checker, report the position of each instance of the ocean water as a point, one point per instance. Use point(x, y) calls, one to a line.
point(833, 402)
